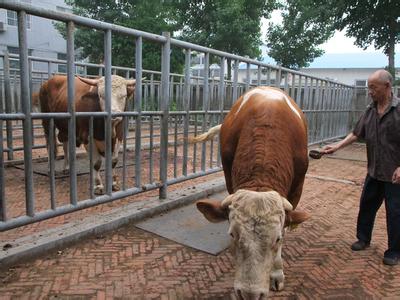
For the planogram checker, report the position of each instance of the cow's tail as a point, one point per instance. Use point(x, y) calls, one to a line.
point(213, 131)
point(43, 101)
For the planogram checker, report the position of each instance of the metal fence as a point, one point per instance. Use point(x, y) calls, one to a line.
point(167, 109)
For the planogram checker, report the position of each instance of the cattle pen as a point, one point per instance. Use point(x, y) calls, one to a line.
point(167, 109)
point(43, 208)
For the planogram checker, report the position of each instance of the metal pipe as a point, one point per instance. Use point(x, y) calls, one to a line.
point(186, 108)
point(26, 110)
point(78, 20)
point(108, 133)
point(3, 206)
point(43, 215)
point(7, 104)
point(51, 151)
point(206, 107)
point(73, 194)
point(235, 83)
point(138, 106)
point(164, 107)
point(91, 148)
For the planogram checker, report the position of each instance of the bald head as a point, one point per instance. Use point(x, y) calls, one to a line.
point(380, 86)
point(381, 76)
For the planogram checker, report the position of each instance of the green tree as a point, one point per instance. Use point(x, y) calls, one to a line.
point(309, 23)
point(155, 16)
point(233, 26)
point(370, 22)
point(294, 43)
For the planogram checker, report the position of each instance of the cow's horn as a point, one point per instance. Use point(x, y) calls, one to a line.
point(130, 81)
point(286, 204)
point(89, 81)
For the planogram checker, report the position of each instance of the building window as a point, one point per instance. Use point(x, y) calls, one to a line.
point(361, 83)
point(62, 68)
point(12, 18)
point(15, 50)
point(14, 62)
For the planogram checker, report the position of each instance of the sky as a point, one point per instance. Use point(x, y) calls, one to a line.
point(339, 43)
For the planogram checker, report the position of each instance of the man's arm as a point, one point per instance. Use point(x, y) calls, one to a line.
point(349, 139)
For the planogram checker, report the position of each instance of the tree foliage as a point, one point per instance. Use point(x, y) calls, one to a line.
point(228, 25)
point(370, 22)
point(154, 16)
point(294, 43)
point(233, 26)
point(309, 23)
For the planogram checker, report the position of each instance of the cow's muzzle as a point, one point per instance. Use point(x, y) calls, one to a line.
point(242, 294)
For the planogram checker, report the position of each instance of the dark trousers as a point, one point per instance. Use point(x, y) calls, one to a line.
point(372, 196)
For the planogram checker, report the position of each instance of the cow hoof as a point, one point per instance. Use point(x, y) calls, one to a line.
point(99, 190)
point(115, 187)
point(276, 282)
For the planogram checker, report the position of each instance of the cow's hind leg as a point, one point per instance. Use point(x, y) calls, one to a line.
point(277, 277)
point(115, 183)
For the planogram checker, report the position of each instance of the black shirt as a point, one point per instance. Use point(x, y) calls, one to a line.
point(382, 135)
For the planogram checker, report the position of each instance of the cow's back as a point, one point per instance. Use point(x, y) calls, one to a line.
point(54, 98)
point(264, 143)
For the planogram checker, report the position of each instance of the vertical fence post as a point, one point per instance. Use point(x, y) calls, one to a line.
point(221, 98)
point(186, 107)
point(26, 109)
point(3, 207)
point(164, 107)
point(71, 109)
point(108, 130)
point(206, 105)
point(7, 105)
point(248, 80)
point(138, 105)
point(235, 82)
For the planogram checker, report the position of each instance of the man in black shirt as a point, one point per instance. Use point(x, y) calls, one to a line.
point(379, 126)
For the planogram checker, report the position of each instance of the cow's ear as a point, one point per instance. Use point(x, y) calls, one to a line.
point(295, 217)
point(212, 210)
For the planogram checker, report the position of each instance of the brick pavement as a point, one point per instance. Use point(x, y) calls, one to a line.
point(132, 264)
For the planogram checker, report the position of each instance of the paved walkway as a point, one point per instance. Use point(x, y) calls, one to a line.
point(133, 264)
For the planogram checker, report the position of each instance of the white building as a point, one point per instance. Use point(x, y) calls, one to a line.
point(42, 37)
point(350, 68)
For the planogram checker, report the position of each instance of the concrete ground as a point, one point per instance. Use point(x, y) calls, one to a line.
point(129, 263)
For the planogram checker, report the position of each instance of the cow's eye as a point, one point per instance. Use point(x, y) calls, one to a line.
point(278, 239)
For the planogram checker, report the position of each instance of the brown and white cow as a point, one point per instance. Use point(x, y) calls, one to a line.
point(89, 97)
point(264, 156)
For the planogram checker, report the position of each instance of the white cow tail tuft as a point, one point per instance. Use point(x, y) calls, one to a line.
point(213, 131)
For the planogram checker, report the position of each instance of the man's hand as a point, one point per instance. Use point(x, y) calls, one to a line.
point(328, 149)
point(396, 176)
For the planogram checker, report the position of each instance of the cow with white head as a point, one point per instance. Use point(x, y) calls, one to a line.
point(264, 156)
point(89, 97)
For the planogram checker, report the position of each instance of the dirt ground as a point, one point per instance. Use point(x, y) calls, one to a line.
point(133, 264)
